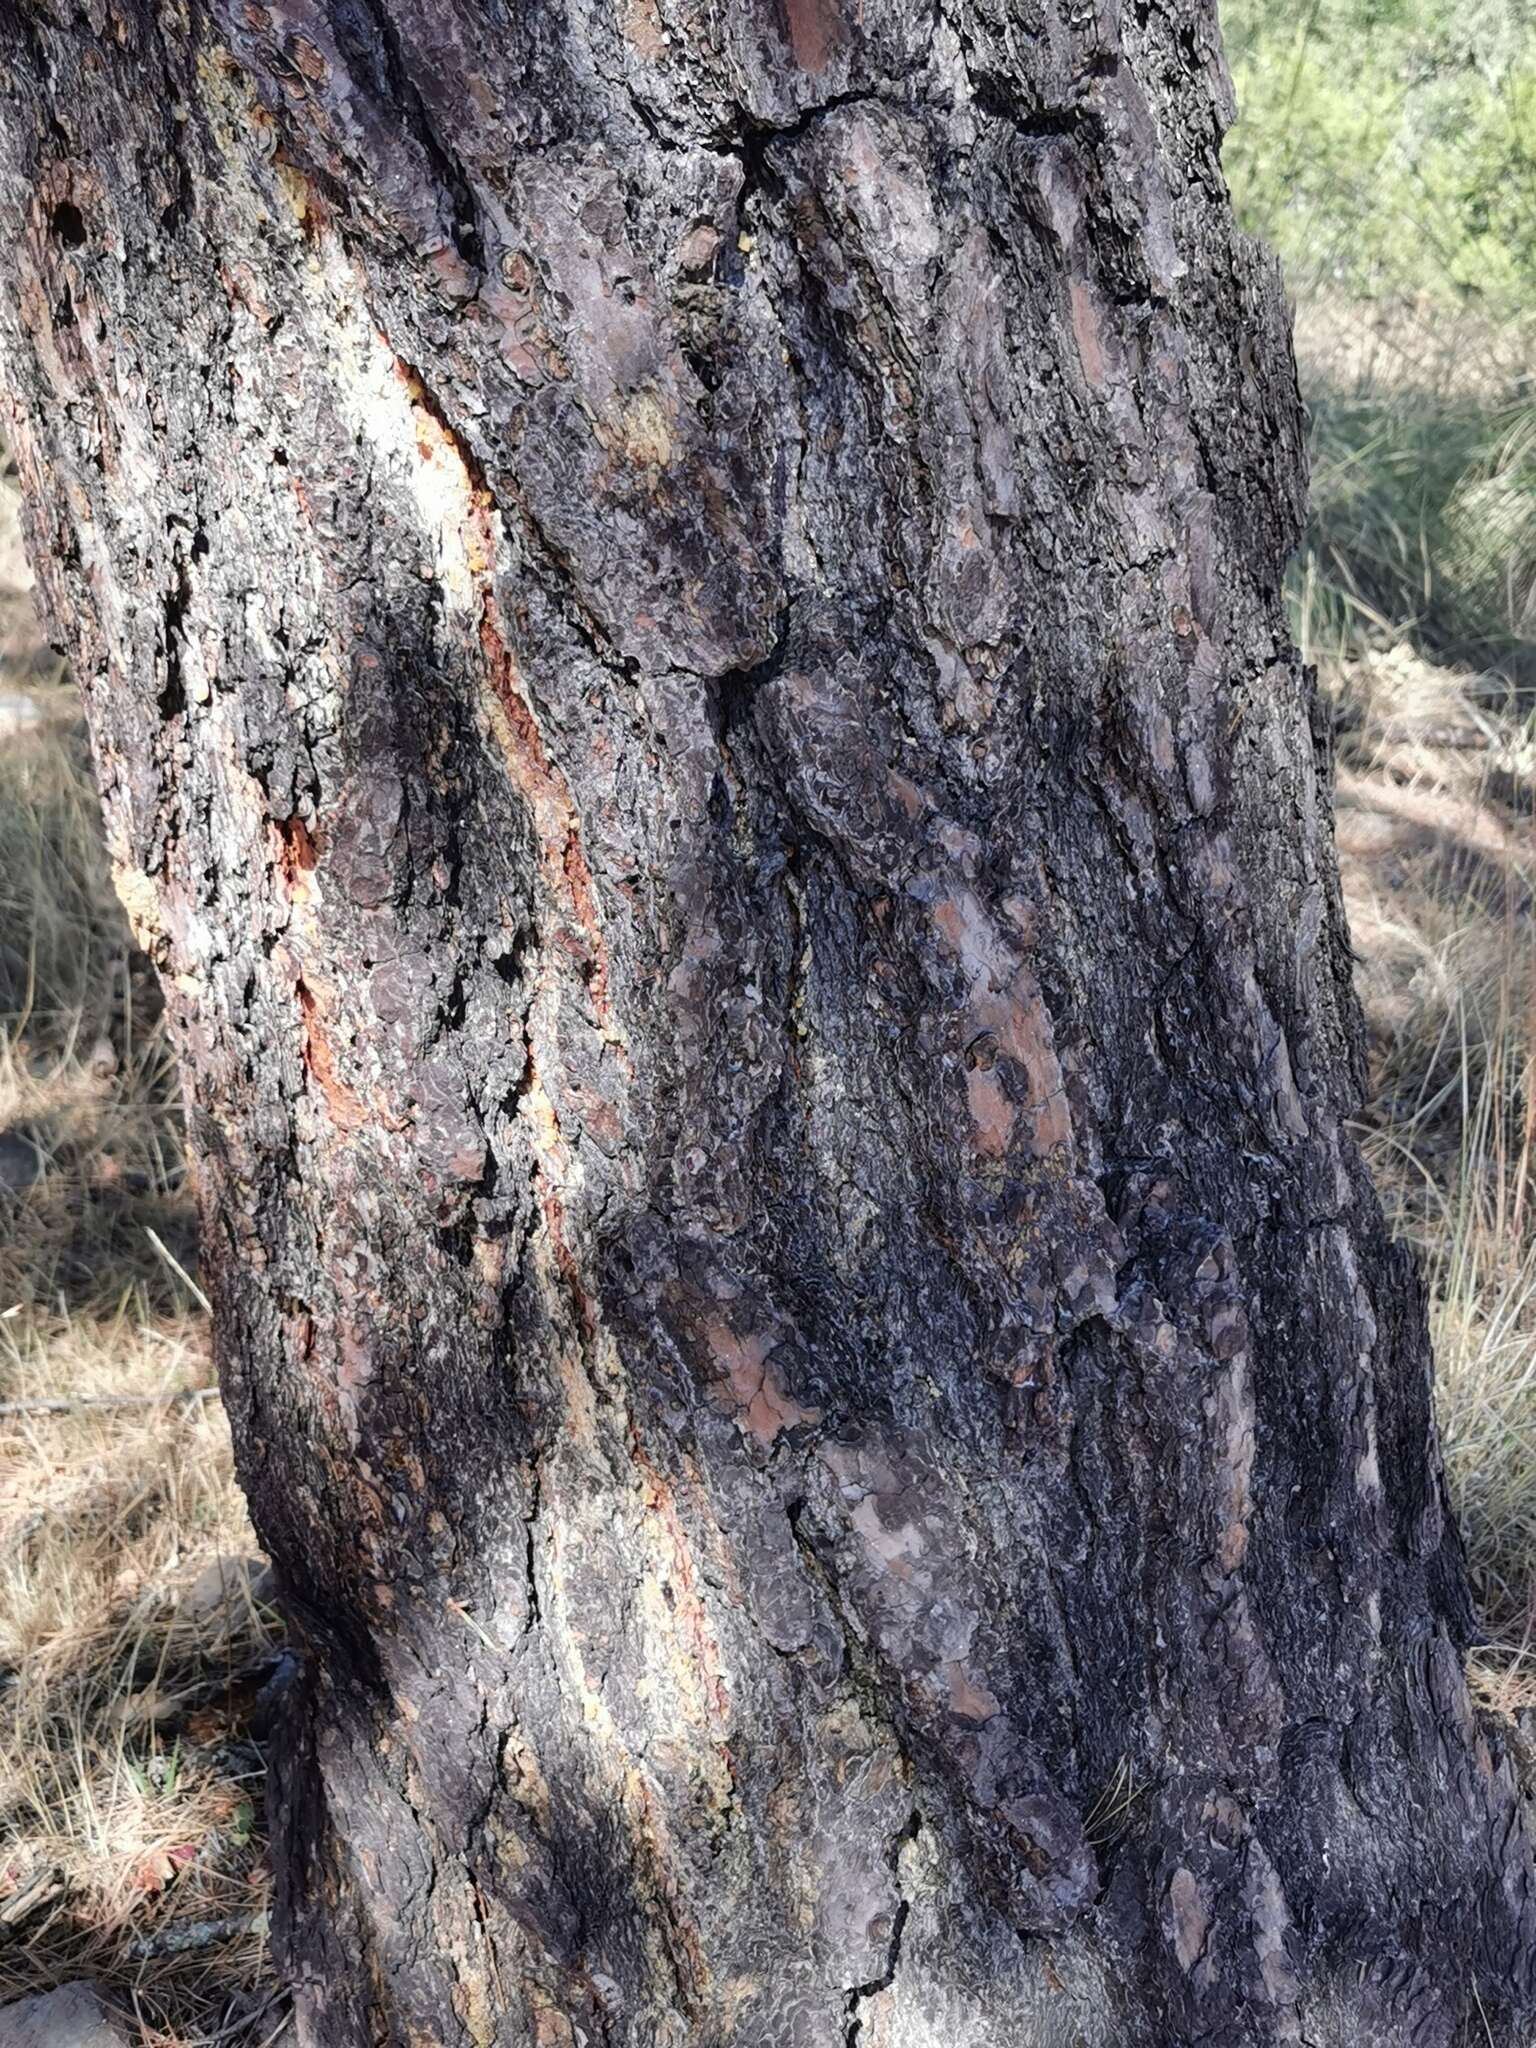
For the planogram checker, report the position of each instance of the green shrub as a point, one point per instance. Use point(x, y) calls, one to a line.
point(1388, 147)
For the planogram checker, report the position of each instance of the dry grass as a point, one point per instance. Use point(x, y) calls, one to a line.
point(130, 1781)
point(134, 1640)
point(1436, 798)
point(1443, 929)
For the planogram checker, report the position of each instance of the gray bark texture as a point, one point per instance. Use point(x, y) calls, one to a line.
point(680, 613)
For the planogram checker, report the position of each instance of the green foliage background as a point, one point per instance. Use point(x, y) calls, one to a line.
point(1389, 146)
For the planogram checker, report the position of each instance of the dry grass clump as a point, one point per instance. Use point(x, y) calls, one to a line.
point(1457, 1162)
point(135, 1640)
point(138, 1650)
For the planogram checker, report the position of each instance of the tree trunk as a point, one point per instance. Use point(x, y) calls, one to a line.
point(680, 611)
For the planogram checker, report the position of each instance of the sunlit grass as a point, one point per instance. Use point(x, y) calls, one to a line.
point(1436, 788)
point(129, 1791)
point(1457, 1166)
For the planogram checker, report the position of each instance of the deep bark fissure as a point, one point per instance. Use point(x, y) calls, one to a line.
point(402, 94)
point(887, 1976)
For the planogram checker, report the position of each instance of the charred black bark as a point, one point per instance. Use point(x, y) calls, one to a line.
point(680, 614)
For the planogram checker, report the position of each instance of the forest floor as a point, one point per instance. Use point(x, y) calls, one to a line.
point(135, 1639)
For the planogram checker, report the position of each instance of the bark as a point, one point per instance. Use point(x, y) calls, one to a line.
point(680, 612)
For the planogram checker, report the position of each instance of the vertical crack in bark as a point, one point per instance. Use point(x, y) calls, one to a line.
point(530, 1553)
point(405, 97)
point(853, 2024)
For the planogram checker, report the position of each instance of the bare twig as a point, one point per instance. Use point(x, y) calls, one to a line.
point(179, 1270)
point(44, 1888)
point(66, 1404)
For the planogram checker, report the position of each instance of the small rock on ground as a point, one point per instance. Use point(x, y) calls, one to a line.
point(20, 1162)
point(226, 1588)
point(18, 713)
point(74, 2016)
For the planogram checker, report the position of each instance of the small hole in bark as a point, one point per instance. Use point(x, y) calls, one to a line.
point(68, 225)
point(510, 962)
point(455, 1005)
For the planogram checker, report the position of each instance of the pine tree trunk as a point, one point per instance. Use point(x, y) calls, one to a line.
point(680, 612)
